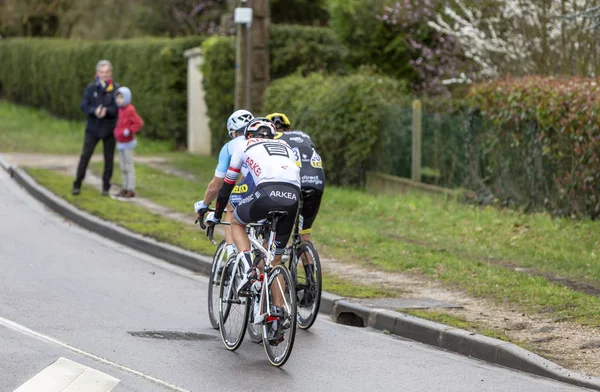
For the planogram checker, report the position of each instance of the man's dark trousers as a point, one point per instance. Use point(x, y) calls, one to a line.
point(89, 144)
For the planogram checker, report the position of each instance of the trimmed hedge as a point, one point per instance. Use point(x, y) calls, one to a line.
point(293, 49)
point(52, 73)
point(344, 115)
point(547, 140)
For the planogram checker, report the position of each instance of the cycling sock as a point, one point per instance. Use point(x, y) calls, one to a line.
point(231, 249)
point(247, 259)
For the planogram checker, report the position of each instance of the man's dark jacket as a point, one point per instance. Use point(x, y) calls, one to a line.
point(93, 96)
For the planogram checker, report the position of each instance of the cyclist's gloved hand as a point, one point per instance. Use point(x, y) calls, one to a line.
point(201, 209)
point(126, 132)
point(211, 221)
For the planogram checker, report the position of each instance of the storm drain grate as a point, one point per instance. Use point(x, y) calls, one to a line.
point(170, 335)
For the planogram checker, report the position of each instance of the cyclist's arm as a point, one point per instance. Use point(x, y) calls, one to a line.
point(229, 181)
point(215, 184)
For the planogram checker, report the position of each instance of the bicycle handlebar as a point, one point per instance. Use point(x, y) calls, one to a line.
point(210, 231)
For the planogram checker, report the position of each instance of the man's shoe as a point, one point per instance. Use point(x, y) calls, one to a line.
point(76, 191)
point(130, 194)
point(105, 192)
point(122, 193)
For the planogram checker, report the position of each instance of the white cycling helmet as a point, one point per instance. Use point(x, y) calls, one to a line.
point(238, 120)
point(260, 127)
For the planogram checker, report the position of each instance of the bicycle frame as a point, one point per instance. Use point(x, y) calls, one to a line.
point(269, 257)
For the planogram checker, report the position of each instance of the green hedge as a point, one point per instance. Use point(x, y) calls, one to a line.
point(344, 115)
point(293, 49)
point(304, 49)
point(359, 27)
point(545, 145)
point(52, 73)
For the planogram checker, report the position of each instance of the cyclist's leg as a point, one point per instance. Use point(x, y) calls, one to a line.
point(310, 209)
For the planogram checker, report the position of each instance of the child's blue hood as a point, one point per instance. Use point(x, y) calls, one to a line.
point(126, 93)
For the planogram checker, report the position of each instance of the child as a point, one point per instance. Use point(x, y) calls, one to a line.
point(128, 124)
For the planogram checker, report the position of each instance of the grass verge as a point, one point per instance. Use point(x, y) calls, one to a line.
point(127, 215)
point(460, 322)
point(26, 129)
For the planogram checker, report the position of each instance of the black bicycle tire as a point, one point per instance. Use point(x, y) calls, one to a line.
point(317, 263)
point(240, 338)
point(292, 331)
point(212, 315)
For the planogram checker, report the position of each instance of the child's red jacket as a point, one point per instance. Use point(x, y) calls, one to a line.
point(128, 119)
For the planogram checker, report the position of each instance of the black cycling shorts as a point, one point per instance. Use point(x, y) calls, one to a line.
point(310, 209)
point(271, 196)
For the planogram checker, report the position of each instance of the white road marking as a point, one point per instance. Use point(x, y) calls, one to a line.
point(65, 375)
point(27, 331)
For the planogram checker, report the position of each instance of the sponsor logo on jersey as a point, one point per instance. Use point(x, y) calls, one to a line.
point(284, 195)
point(240, 188)
point(311, 180)
point(297, 139)
point(315, 161)
point(254, 166)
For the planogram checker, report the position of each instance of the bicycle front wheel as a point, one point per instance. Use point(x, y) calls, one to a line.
point(233, 309)
point(307, 276)
point(214, 280)
point(279, 328)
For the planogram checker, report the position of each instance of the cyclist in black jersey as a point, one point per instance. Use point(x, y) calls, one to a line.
point(312, 175)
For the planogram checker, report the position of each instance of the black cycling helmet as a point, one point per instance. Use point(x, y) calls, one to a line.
point(260, 127)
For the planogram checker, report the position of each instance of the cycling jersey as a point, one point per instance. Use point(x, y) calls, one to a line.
point(268, 160)
point(226, 153)
point(271, 165)
point(311, 167)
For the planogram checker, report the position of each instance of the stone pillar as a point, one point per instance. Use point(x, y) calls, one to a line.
point(198, 133)
point(261, 71)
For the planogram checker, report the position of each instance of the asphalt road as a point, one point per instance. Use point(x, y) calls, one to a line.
point(65, 292)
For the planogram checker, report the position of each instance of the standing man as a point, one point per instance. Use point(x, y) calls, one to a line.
point(100, 106)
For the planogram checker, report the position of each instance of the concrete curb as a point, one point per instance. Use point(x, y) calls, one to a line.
point(343, 311)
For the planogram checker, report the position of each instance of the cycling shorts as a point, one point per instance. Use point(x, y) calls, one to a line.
point(271, 196)
point(310, 209)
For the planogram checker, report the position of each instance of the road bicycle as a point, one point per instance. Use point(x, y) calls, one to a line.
point(307, 279)
point(277, 323)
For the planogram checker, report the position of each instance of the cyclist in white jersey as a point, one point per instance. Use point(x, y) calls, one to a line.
point(276, 176)
point(236, 124)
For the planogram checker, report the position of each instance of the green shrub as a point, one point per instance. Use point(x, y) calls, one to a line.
point(52, 73)
point(304, 49)
point(218, 71)
point(343, 114)
point(293, 49)
point(372, 41)
point(545, 142)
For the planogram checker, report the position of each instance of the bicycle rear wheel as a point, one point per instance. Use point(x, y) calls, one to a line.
point(214, 280)
point(233, 309)
point(279, 330)
point(307, 277)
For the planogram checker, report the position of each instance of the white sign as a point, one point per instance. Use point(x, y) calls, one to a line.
point(243, 15)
